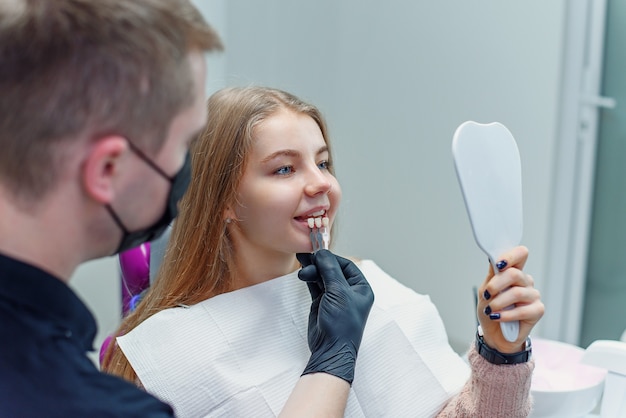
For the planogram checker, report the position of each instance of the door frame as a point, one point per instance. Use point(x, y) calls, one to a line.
point(576, 144)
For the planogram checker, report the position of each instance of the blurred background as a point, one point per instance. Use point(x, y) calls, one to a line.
point(394, 80)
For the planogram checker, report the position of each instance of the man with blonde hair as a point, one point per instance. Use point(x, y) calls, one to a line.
point(98, 103)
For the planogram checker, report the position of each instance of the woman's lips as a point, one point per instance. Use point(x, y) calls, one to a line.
point(312, 215)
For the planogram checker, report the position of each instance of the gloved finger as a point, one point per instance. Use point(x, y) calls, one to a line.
point(330, 270)
point(304, 259)
point(350, 271)
point(309, 274)
point(355, 278)
point(313, 280)
point(315, 290)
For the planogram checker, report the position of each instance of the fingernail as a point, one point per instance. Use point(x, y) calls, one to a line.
point(501, 264)
point(486, 295)
point(494, 316)
point(487, 310)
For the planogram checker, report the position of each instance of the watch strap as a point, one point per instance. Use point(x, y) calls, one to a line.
point(496, 357)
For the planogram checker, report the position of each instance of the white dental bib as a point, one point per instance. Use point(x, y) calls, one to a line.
point(241, 353)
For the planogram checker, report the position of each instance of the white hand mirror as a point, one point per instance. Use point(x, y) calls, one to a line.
point(489, 171)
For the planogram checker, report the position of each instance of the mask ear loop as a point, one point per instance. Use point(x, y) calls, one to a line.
point(117, 219)
point(148, 161)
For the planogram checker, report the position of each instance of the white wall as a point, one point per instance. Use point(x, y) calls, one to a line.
point(394, 80)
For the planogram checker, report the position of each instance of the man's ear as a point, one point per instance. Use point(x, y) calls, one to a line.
point(102, 166)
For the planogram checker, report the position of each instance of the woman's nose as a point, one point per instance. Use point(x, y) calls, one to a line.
point(317, 182)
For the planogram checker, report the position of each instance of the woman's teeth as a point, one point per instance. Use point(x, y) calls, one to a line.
point(318, 222)
point(318, 219)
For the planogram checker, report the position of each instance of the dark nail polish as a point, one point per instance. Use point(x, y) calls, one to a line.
point(486, 295)
point(487, 310)
point(501, 264)
point(494, 316)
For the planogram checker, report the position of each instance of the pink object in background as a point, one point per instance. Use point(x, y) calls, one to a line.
point(135, 277)
point(563, 386)
point(135, 269)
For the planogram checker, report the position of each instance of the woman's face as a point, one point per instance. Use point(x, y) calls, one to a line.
point(286, 181)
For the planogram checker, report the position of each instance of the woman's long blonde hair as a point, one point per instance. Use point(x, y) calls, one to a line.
point(199, 260)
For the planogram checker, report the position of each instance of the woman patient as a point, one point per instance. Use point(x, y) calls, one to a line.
point(263, 168)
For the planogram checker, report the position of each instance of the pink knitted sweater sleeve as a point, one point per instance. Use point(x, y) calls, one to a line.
point(493, 390)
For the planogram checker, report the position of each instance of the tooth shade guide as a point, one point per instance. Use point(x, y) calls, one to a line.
point(320, 237)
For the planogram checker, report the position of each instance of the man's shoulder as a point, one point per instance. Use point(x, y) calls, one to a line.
point(48, 374)
point(38, 390)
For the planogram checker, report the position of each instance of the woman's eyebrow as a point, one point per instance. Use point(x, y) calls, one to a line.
point(322, 150)
point(291, 153)
point(283, 152)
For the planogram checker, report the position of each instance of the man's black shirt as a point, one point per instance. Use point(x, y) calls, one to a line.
point(45, 334)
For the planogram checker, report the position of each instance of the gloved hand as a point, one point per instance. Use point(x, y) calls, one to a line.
point(342, 300)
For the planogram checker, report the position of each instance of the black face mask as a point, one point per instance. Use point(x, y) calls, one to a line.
point(179, 184)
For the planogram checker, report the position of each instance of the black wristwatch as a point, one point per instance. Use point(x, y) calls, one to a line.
point(496, 357)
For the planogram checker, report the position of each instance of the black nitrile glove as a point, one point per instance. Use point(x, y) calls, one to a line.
point(342, 300)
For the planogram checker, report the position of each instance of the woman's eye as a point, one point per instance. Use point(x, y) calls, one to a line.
point(324, 165)
point(284, 170)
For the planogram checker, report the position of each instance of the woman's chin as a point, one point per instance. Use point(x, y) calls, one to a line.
point(303, 248)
